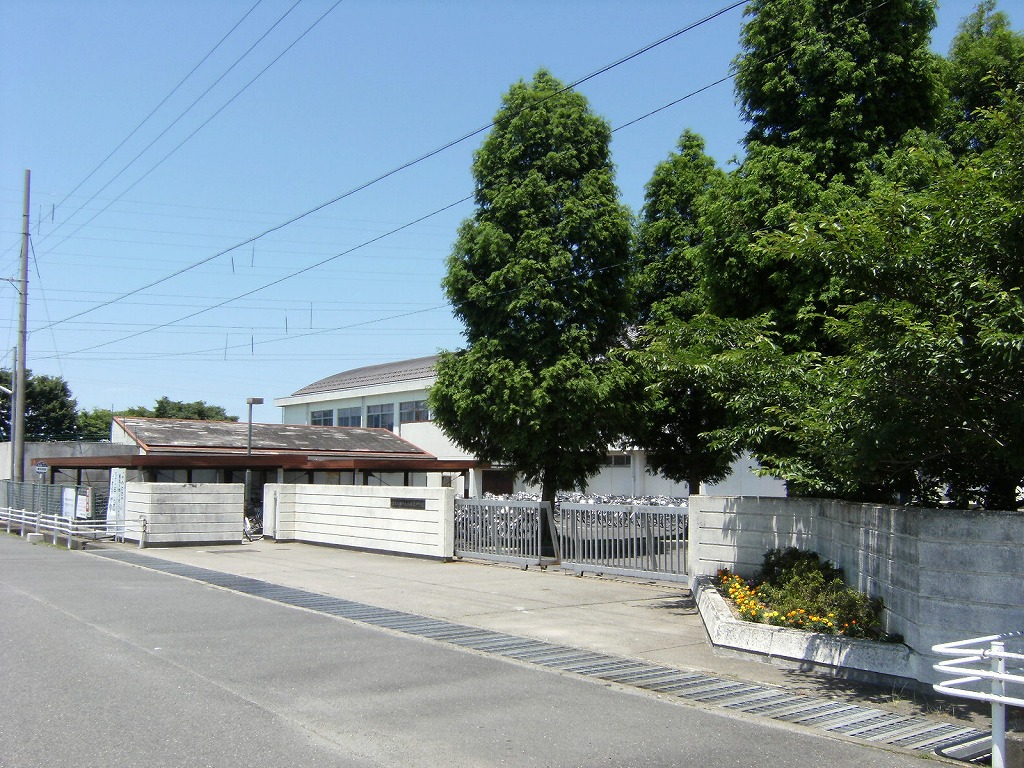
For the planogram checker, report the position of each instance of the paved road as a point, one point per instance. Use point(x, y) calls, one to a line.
point(104, 664)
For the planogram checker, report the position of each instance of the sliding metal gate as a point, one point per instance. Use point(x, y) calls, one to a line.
point(499, 529)
point(629, 540)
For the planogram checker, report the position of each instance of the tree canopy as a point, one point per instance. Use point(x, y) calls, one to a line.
point(848, 300)
point(49, 408)
point(539, 277)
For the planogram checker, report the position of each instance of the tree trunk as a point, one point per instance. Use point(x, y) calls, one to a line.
point(1002, 494)
point(693, 483)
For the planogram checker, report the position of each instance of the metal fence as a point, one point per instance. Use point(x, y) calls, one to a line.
point(56, 511)
point(986, 669)
point(498, 529)
point(629, 540)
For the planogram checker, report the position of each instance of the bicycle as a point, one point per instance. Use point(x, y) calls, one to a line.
point(252, 528)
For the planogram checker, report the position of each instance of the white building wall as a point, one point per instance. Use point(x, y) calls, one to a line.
point(633, 480)
point(183, 513)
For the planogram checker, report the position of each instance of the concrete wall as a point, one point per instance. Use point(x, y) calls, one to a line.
point(943, 575)
point(364, 517)
point(184, 513)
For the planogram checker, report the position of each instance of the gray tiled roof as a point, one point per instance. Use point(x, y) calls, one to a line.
point(183, 435)
point(386, 373)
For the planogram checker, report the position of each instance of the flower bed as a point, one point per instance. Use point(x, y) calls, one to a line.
point(798, 590)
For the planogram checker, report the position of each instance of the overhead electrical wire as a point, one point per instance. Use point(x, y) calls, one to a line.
point(398, 169)
point(163, 101)
point(293, 336)
point(311, 267)
point(202, 125)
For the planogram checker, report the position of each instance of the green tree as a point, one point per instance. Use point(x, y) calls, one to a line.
point(165, 408)
point(838, 79)
point(986, 60)
point(50, 410)
point(539, 277)
point(670, 229)
point(925, 395)
point(95, 424)
point(672, 404)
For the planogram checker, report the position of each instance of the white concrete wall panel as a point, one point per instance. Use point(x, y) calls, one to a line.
point(364, 517)
point(184, 513)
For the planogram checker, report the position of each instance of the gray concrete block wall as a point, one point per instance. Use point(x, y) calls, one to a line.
point(943, 575)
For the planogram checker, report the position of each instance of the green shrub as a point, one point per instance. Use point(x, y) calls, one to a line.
point(798, 589)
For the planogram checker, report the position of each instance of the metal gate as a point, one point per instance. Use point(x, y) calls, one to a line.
point(630, 540)
point(623, 539)
point(499, 529)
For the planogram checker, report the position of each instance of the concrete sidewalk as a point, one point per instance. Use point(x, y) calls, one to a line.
point(627, 617)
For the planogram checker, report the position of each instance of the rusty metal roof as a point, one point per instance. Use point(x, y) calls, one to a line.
point(230, 437)
point(386, 373)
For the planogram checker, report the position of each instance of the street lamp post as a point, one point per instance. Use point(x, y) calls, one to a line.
point(250, 401)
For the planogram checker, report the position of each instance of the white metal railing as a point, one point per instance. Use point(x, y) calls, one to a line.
point(996, 661)
point(55, 526)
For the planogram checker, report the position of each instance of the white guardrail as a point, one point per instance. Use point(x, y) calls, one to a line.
point(983, 661)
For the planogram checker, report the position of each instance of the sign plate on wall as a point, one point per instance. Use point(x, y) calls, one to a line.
point(408, 503)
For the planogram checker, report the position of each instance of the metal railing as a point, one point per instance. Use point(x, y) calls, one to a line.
point(54, 527)
point(56, 511)
point(986, 661)
point(628, 540)
point(501, 530)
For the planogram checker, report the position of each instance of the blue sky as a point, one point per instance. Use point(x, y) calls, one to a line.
point(321, 105)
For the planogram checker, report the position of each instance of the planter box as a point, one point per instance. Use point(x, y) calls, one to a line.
point(839, 656)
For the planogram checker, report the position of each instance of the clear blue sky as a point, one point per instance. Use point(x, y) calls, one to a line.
point(375, 84)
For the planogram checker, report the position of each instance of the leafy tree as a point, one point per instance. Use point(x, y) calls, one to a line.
point(166, 408)
point(539, 277)
point(95, 424)
point(986, 60)
point(670, 229)
point(672, 406)
point(925, 395)
point(50, 409)
point(837, 79)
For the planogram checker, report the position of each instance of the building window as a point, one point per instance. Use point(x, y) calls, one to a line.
point(350, 417)
point(381, 416)
point(414, 410)
point(321, 418)
point(617, 460)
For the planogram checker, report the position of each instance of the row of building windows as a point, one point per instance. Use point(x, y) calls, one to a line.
point(377, 416)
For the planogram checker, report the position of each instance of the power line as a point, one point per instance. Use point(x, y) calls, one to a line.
point(163, 101)
point(201, 126)
point(398, 169)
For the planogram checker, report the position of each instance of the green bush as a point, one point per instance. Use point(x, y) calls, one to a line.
point(798, 589)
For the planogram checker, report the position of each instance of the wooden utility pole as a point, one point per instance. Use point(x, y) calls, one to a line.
point(19, 386)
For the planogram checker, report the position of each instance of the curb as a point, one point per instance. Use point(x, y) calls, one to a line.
point(844, 657)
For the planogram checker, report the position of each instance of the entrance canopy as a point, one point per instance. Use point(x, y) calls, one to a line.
point(162, 444)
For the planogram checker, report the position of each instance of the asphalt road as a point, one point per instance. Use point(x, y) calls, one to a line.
point(105, 664)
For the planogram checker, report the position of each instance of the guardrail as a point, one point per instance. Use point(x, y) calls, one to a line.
point(986, 660)
point(55, 526)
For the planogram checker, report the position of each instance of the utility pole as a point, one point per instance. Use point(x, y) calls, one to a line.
point(19, 387)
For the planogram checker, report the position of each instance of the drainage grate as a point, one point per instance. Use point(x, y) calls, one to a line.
point(855, 721)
